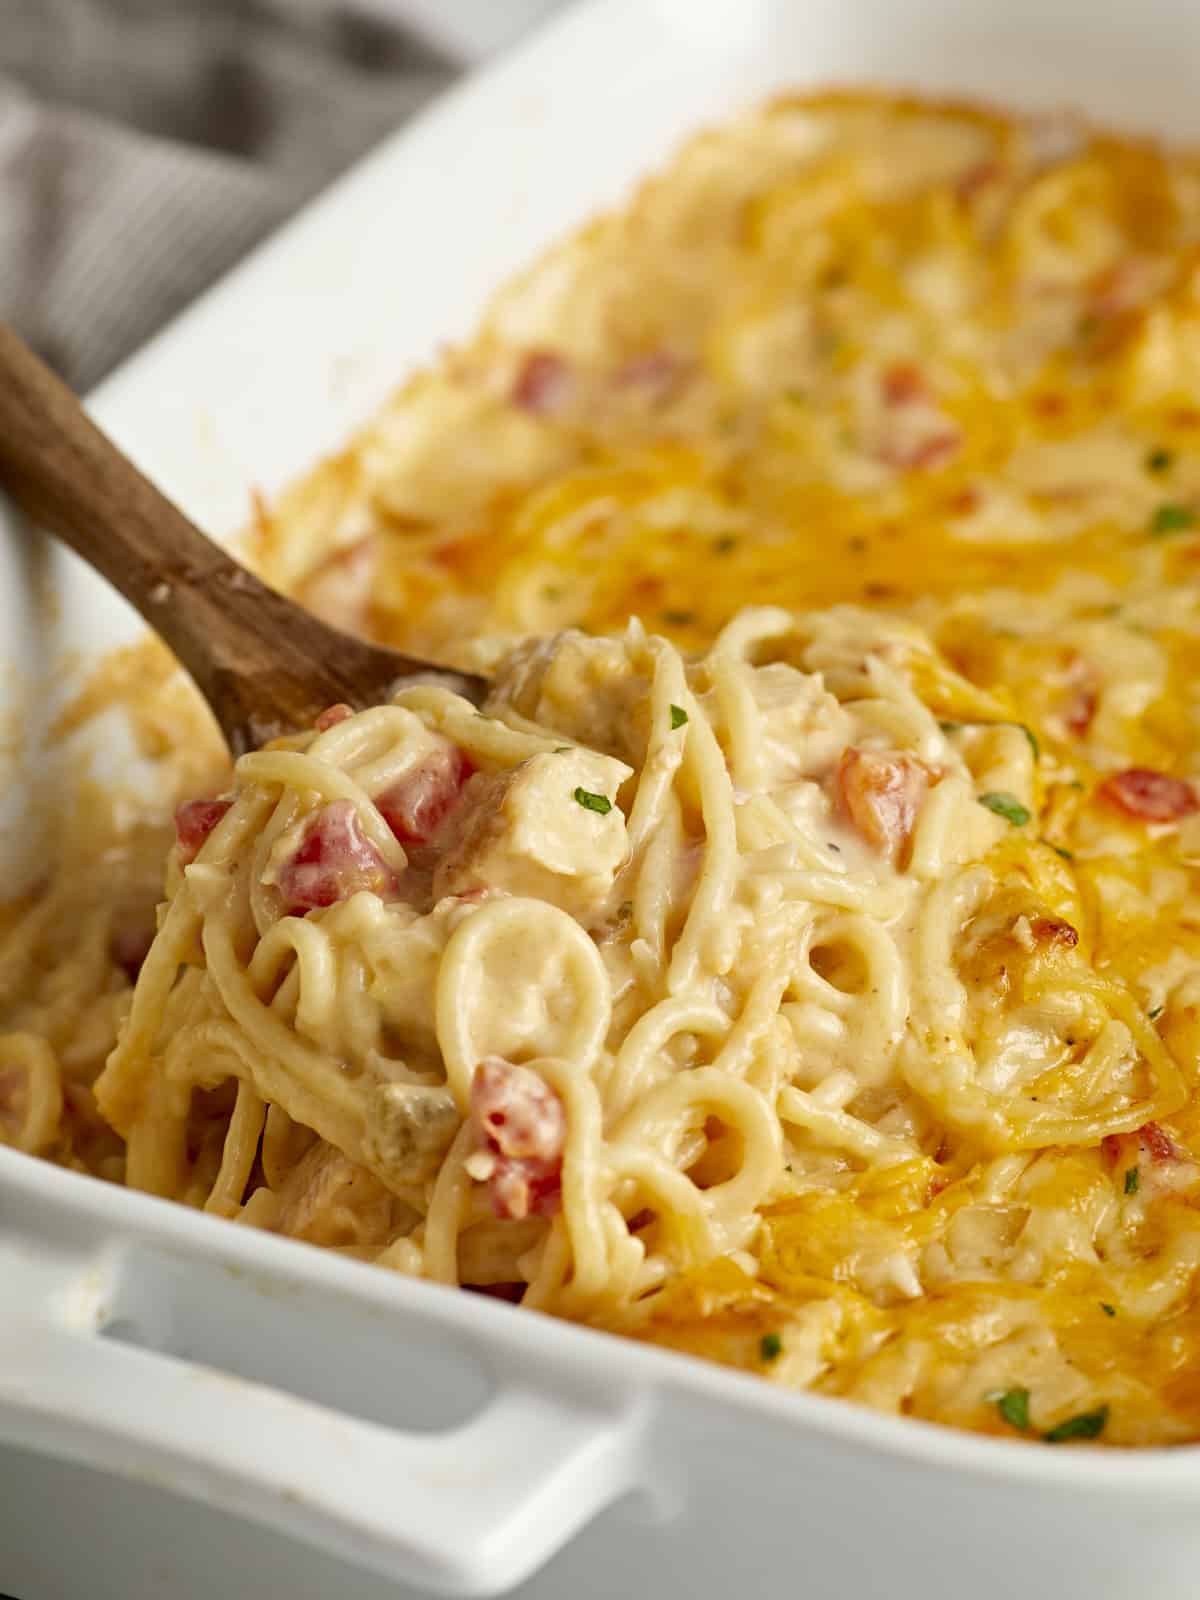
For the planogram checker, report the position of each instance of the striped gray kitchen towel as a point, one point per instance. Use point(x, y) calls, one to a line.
point(145, 145)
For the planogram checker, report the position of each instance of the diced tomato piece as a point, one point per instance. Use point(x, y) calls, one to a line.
point(977, 177)
point(332, 715)
point(543, 383)
point(1152, 1139)
point(193, 824)
point(903, 383)
point(518, 1113)
point(1053, 930)
point(1082, 695)
point(522, 1122)
point(1149, 796)
point(415, 807)
point(932, 452)
point(932, 447)
point(881, 793)
point(334, 861)
point(1080, 709)
point(924, 439)
point(1159, 1144)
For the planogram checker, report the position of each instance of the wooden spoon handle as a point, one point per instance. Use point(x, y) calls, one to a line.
point(262, 662)
point(59, 467)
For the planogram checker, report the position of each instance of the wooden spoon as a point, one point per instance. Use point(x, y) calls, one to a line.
point(264, 664)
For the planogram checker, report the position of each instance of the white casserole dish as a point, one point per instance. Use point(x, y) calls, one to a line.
point(250, 1384)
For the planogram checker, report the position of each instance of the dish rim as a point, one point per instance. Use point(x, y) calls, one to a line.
point(633, 1365)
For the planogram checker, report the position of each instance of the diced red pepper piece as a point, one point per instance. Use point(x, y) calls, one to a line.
point(415, 807)
point(1149, 796)
point(335, 860)
point(193, 824)
point(543, 383)
point(522, 1122)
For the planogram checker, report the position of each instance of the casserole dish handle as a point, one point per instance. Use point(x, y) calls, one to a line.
point(472, 1510)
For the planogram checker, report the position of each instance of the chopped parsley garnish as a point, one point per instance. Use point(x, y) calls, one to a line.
point(1109, 1311)
point(770, 1347)
point(1007, 806)
point(1133, 1181)
point(679, 619)
point(1156, 1013)
point(1087, 1425)
point(678, 716)
point(1013, 1406)
point(949, 727)
point(1159, 460)
point(563, 749)
point(1033, 741)
point(1171, 517)
point(725, 544)
point(1067, 855)
point(599, 803)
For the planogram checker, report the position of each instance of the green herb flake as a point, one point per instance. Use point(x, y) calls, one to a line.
point(949, 727)
point(679, 619)
point(1109, 1311)
point(1159, 460)
point(1007, 806)
point(678, 716)
point(1067, 855)
point(1087, 1425)
point(1171, 517)
point(725, 544)
point(1033, 739)
point(1156, 1013)
point(563, 749)
point(770, 1347)
point(600, 803)
point(1013, 1406)
point(1133, 1181)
